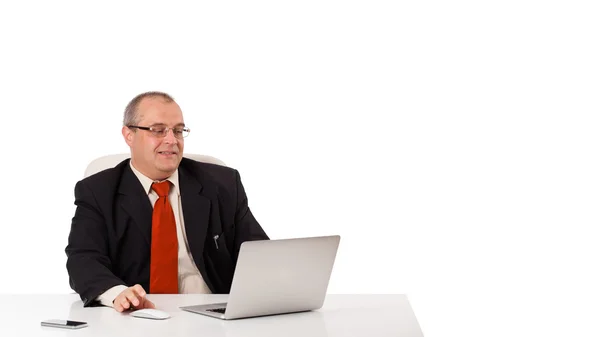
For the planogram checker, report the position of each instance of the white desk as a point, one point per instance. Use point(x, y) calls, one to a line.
point(341, 315)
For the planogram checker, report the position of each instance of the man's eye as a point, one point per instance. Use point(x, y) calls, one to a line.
point(177, 131)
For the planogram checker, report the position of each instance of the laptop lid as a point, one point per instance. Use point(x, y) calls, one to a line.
point(281, 276)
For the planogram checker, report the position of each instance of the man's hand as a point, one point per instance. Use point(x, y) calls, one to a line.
point(132, 298)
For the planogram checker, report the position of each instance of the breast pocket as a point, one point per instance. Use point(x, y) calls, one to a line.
point(221, 260)
point(221, 246)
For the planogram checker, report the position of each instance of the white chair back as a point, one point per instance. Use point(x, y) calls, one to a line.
point(109, 161)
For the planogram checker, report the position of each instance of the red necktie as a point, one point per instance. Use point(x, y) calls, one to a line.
point(163, 254)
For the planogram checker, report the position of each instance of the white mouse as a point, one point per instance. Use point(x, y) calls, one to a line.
point(150, 313)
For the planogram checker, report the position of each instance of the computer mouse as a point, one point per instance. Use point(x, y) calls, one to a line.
point(150, 313)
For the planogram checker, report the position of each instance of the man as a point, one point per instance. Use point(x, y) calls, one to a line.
point(157, 223)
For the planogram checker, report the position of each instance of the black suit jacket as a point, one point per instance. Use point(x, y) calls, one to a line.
point(109, 242)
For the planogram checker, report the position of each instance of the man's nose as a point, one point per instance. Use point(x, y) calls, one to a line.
point(170, 137)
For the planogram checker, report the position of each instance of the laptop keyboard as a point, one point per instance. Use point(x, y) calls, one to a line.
point(219, 310)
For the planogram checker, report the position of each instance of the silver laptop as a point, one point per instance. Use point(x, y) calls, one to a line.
point(276, 277)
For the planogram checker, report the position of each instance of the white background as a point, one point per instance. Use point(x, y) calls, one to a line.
point(452, 144)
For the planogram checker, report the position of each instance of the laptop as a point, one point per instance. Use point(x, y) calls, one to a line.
point(277, 277)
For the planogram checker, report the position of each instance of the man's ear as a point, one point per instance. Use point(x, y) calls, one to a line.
point(127, 135)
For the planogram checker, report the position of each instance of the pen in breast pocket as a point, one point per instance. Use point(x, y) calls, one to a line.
point(216, 237)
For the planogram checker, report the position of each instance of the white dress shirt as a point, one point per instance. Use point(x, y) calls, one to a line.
point(189, 278)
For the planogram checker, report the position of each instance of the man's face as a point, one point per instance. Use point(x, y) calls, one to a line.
point(155, 157)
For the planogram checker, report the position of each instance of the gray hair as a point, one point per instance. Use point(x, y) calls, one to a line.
point(130, 117)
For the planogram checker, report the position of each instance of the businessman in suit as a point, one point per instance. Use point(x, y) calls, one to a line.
point(157, 223)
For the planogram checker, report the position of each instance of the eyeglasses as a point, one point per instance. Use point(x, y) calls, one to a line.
point(161, 131)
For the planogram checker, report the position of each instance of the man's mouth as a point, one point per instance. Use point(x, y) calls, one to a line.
point(167, 152)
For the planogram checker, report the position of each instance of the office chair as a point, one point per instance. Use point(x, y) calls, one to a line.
point(109, 161)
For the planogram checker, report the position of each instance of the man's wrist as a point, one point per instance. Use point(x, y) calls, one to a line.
point(107, 298)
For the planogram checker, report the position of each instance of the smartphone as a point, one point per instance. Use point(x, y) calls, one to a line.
point(61, 323)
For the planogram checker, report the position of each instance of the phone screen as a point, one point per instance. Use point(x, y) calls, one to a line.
point(61, 323)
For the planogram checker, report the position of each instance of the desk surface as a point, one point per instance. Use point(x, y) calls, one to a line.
point(341, 315)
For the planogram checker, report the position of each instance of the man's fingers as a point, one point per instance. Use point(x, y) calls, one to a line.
point(132, 298)
point(121, 303)
point(148, 304)
point(118, 306)
point(124, 301)
point(139, 290)
point(140, 295)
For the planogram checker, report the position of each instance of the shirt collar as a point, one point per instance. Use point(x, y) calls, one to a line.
point(147, 182)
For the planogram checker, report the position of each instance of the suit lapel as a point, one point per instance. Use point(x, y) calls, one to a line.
point(196, 212)
point(136, 203)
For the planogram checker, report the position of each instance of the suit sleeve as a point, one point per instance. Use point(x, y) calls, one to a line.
point(88, 262)
point(246, 226)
